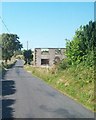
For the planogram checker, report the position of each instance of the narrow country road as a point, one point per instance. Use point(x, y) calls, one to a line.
point(25, 96)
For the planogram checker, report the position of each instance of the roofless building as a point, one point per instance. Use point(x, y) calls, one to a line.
point(47, 56)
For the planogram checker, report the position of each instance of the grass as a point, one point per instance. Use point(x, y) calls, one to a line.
point(77, 82)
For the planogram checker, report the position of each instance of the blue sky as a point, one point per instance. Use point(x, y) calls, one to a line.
point(46, 24)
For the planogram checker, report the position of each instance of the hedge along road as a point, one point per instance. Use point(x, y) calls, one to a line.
point(25, 96)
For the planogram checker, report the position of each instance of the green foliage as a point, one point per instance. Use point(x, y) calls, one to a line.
point(83, 44)
point(28, 56)
point(63, 64)
point(10, 44)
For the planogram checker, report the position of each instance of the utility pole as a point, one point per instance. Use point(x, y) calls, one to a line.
point(27, 45)
point(27, 51)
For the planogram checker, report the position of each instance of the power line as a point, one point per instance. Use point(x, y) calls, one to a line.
point(4, 24)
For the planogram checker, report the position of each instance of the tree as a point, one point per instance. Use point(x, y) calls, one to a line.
point(28, 56)
point(83, 44)
point(10, 44)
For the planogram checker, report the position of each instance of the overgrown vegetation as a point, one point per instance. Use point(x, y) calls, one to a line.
point(82, 47)
point(74, 75)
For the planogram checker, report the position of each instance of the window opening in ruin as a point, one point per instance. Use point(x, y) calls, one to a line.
point(45, 51)
point(44, 61)
point(58, 51)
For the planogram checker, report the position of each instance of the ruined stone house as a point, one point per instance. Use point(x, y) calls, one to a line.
point(47, 56)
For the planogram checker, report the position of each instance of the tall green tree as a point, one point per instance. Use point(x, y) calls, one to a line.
point(83, 45)
point(28, 56)
point(10, 44)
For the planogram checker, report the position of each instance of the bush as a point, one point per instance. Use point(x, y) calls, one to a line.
point(63, 64)
point(81, 48)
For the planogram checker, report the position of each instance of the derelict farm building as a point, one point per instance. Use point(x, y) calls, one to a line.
point(47, 56)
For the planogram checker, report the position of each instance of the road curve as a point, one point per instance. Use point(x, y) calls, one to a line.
point(25, 96)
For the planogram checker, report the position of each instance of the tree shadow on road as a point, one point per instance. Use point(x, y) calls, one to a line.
point(7, 110)
point(8, 88)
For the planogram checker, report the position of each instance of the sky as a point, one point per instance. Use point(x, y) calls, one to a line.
point(45, 24)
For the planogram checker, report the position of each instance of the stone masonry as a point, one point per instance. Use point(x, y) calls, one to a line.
point(47, 56)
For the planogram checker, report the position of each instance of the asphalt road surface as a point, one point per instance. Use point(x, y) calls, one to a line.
point(25, 96)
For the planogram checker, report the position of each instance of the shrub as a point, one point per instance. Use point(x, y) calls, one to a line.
point(63, 64)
